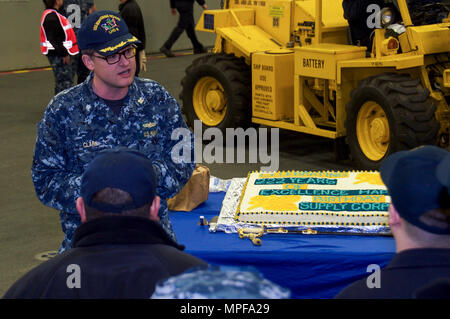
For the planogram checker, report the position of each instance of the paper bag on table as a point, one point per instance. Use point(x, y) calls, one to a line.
point(193, 193)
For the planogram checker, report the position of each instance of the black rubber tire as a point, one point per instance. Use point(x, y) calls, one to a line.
point(235, 78)
point(341, 150)
point(408, 108)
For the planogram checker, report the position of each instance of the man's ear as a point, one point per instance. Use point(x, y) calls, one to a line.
point(88, 62)
point(394, 217)
point(154, 209)
point(81, 209)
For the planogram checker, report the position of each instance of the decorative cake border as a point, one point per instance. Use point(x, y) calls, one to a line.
point(317, 223)
point(324, 229)
point(236, 216)
point(356, 215)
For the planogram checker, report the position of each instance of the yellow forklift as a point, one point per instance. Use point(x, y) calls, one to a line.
point(291, 64)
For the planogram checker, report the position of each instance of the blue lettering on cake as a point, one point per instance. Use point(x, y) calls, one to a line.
point(312, 181)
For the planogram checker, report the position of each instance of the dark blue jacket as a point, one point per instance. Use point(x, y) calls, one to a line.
point(407, 272)
point(116, 256)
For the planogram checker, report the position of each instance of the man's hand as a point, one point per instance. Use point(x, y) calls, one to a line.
point(142, 61)
point(66, 59)
point(204, 6)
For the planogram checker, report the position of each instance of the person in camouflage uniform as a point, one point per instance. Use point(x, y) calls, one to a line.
point(111, 108)
point(62, 71)
point(220, 282)
point(76, 12)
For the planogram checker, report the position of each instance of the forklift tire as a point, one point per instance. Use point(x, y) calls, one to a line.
point(387, 113)
point(217, 91)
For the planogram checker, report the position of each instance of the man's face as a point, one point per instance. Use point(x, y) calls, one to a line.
point(118, 75)
point(59, 4)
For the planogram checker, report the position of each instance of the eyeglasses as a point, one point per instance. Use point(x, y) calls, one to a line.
point(115, 58)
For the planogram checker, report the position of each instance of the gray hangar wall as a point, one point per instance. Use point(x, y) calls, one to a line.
point(20, 21)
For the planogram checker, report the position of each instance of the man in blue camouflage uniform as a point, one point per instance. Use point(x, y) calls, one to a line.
point(76, 11)
point(111, 108)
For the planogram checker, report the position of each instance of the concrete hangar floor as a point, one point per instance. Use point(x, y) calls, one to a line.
point(29, 231)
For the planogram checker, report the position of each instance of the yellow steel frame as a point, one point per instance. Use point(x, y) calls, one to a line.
point(238, 32)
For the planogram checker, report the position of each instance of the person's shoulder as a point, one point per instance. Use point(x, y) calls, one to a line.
point(145, 81)
point(68, 95)
point(129, 6)
point(65, 100)
point(151, 87)
point(51, 16)
point(366, 288)
point(34, 282)
point(357, 289)
point(174, 257)
point(157, 97)
point(133, 4)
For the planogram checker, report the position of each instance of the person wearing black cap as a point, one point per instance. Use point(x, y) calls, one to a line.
point(111, 108)
point(120, 249)
point(418, 183)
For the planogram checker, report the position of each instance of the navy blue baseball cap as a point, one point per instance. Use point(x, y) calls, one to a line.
point(105, 32)
point(122, 168)
point(418, 181)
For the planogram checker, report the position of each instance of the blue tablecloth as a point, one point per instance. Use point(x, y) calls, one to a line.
point(311, 266)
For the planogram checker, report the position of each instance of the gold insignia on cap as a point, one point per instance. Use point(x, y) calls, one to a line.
point(121, 44)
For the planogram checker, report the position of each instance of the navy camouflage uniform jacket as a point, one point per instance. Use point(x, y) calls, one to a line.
point(77, 124)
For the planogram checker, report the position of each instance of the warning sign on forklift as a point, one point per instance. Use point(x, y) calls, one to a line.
point(276, 11)
point(272, 78)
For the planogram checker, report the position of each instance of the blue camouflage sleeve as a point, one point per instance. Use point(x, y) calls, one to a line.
point(55, 184)
point(175, 166)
